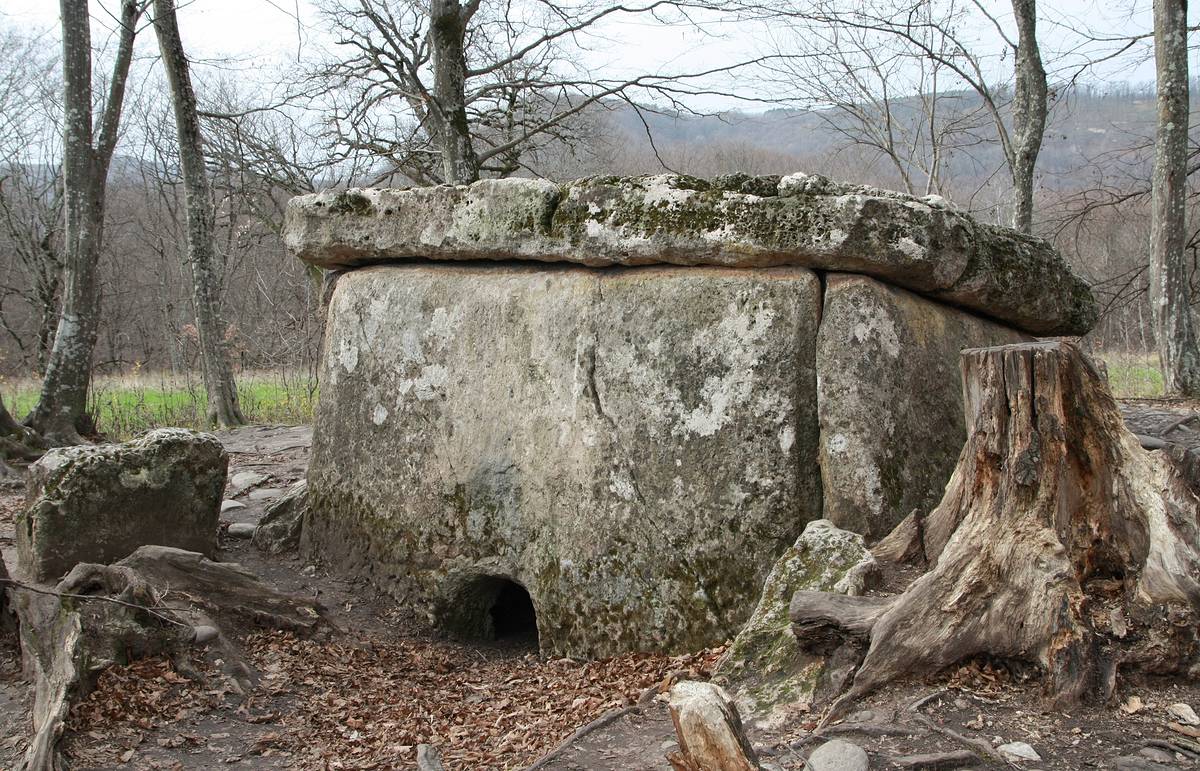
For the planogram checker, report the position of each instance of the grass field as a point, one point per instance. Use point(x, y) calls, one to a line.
point(128, 404)
point(1133, 375)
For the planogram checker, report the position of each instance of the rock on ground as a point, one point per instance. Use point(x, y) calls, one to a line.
point(803, 220)
point(764, 666)
point(633, 447)
point(279, 529)
point(838, 755)
point(99, 503)
point(890, 400)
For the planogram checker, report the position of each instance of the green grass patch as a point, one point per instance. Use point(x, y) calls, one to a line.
point(1133, 375)
point(127, 405)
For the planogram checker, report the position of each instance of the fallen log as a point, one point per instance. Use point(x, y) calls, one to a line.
point(1059, 543)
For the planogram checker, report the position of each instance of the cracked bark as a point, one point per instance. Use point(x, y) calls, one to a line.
point(1060, 544)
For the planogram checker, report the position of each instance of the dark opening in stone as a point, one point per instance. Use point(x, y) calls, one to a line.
point(492, 608)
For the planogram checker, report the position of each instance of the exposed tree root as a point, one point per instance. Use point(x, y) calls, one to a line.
point(148, 604)
point(1059, 542)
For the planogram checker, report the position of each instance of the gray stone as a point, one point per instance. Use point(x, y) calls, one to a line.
point(241, 530)
point(99, 503)
point(279, 529)
point(1183, 714)
point(1139, 763)
point(231, 506)
point(890, 400)
point(764, 665)
point(1018, 751)
point(244, 480)
point(838, 755)
point(634, 447)
point(204, 634)
point(805, 220)
point(265, 493)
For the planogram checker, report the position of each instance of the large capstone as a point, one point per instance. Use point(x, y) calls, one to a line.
point(632, 447)
point(100, 503)
point(890, 399)
point(739, 221)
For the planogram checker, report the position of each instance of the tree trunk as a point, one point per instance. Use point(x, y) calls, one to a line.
point(452, 133)
point(223, 408)
point(1170, 298)
point(61, 411)
point(1029, 112)
point(709, 730)
point(1059, 544)
point(17, 443)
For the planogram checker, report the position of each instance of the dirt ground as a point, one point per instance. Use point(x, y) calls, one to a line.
point(364, 693)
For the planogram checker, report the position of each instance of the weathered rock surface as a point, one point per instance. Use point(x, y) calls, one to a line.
point(838, 755)
point(100, 503)
point(709, 730)
point(638, 470)
point(890, 400)
point(765, 666)
point(279, 529)
point(738, 221)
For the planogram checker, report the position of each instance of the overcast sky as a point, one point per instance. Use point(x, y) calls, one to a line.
point(260, 33)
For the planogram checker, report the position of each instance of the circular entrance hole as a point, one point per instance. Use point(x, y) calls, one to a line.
point(492, 608)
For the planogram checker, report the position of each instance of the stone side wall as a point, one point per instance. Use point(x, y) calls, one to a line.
point(890, 399)
point(634, 446)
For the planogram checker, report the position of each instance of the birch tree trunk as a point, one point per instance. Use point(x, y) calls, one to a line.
point(1170, 298)
point(447, 32)
point(61, 411)
point(223, 408)
point(1029, 113)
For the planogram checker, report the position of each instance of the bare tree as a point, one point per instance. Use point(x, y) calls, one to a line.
point(919, 30)
point(454, 89)
point(1170, 299)
point(61, 411)
point(223, 408)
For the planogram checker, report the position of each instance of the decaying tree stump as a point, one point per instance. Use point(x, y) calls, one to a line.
point(1060, 543)
point(709, 730)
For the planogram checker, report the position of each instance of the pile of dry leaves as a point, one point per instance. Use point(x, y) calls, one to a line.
point(369, 706)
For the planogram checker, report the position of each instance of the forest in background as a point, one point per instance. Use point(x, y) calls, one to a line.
point(1091, 191)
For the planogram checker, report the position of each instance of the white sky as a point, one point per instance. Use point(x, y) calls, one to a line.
point(260, 33)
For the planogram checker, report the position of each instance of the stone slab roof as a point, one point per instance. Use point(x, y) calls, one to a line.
point(920, 244)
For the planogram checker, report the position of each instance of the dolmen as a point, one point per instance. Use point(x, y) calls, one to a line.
point(626, 397)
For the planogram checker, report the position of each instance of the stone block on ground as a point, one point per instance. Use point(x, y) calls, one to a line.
point(634, 448)
point(764, 667)
point(890, 399)
point(98, 503)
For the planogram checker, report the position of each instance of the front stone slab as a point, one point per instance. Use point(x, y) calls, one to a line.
point(99, 503)
point(890, 395)
point(633, 446)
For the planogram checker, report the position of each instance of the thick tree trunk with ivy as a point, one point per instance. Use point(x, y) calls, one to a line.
point(1030, 107)
point(1170, 294)
point(223, 408)
point(447, 35)
point(1060, 544)
point(61, 412)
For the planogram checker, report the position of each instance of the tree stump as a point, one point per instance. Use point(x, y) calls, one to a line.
point(709, 730)
point(1059, 543)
